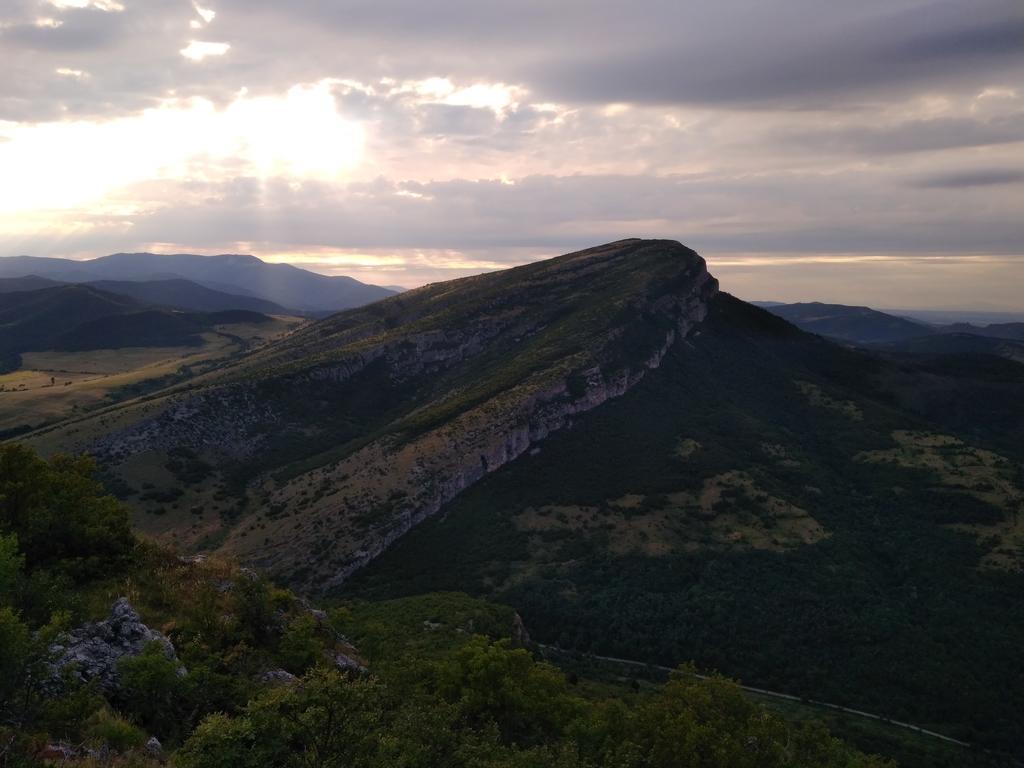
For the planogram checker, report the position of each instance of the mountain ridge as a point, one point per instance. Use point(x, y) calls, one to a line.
point(283, 284)
point(642, 465)
point(468, 375)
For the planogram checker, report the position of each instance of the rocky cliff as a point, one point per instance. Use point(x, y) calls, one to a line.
point(93, 651)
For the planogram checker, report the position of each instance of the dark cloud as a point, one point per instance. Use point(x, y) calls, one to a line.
point(912, 135)
point(788, 53)
point(984, 177)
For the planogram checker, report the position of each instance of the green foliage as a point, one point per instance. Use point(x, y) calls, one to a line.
point(495, 706)
point(326, 721)
point(442, 694)
point(301, 646)
point(15, 647)
point(11, 564)
point(891, 588)
point(492, 683)
point(60, 515)
point(106, 728)
point(152, 687)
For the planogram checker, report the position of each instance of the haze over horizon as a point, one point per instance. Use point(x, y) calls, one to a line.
point(870, 154)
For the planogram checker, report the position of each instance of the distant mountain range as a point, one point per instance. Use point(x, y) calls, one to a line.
point(858, 324)
point(174, 293)
point(285, 286)
point(868, 327)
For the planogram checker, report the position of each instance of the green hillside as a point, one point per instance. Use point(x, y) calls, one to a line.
point(642, 466)
point(240, 673)
point(757, 506)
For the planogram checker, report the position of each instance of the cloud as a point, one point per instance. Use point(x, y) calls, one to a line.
point(788, 53)
point(446, 136)
point(197, 50)
point(983, 177)
point(780, 214)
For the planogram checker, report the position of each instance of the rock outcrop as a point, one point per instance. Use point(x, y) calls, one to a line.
point(92, 651)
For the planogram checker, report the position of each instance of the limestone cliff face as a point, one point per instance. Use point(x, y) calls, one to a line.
point(448, 383)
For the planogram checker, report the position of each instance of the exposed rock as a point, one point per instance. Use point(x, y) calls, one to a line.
point(319, 616)
point(277, 676)
point(60, 750)
point(520, 637)
point(92, 651)
point(347, 663)
point(153, 747)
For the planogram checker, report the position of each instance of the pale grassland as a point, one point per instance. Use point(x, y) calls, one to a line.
point(965, 469)
point(686, 447)
point(54, 385)
point(729, 511)
point(816, 397)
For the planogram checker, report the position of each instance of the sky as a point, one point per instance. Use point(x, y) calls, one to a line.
point(866, 152)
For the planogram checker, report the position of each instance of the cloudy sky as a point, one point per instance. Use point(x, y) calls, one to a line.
point(868, 152)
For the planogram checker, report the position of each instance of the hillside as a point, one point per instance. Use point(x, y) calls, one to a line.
point(1013, 331)
point(188, 296)
point(399, 406)
point(282, 284)
point(35, 319)
point(747, 506)
point(82, 317)
point(116, 652)
point(150, 328)
point(861, 325)
point(870, 327)
point(643, 466)
point(27, 283)
point(950, 343)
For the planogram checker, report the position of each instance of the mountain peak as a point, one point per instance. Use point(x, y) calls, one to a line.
point(450, 382)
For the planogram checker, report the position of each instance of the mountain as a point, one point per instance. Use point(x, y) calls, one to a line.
point(282, 284)
point(81, 317)
point(187, 295)
point(995, 330)
point(860, 325)
point(171, 293)
point(643, 466)
point(34, 319)
point(27, 283)
point(952, 317)
point(950, 343)
point(869, 327)
point(150, 328)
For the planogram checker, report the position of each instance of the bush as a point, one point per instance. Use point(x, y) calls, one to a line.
point(105, 728)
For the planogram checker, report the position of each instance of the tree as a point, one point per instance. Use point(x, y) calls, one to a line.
point(60, 514)
point(326, 721)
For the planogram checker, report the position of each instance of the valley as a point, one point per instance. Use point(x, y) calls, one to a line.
point(642, 466)
point(54, 384)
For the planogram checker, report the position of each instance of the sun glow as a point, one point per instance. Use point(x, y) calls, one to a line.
point(197, 50)
point(66, 164)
